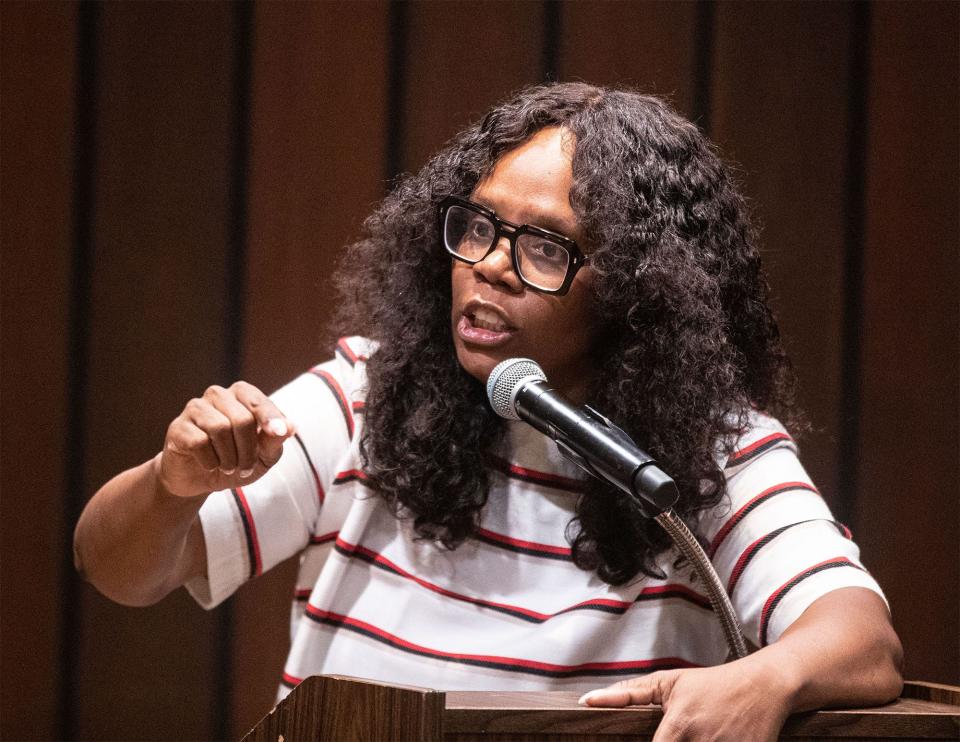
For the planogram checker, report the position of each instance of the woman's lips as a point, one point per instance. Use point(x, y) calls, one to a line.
point(482, 326)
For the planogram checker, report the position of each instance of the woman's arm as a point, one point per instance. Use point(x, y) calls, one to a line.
point(139, 537)
point(842, 651)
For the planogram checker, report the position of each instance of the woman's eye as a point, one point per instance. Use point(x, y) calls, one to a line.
point(546, 250)
point(481, 229)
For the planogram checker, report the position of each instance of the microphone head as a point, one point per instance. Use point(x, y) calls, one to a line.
point(506, 379)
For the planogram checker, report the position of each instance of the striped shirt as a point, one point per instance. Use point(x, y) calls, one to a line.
point(508, 609)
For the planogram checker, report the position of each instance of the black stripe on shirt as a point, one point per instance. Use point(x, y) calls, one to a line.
point(774, 600)
point(509, 664)
point(338, 395)
point(247, 532)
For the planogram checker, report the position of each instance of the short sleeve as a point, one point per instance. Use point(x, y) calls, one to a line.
point(248, 530)
point(773, 540)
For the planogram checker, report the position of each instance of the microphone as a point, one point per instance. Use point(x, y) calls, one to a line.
point(518, 390)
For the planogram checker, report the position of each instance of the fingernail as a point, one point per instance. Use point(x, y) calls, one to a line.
point(277, 426)
point(584, 697)
point(246, 473)
point(227, 471)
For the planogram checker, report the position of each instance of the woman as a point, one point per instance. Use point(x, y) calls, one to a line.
point(596, 232)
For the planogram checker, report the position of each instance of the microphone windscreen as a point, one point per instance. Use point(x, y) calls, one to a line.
point(506, 379)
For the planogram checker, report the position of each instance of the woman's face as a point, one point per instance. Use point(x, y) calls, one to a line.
point(495, 316)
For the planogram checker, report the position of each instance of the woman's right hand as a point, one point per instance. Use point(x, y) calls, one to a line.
point(226, 438)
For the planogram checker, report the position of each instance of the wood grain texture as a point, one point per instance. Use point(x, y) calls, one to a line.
point(156, 331)
point(558, 712)
point(317, 141)
point(36, 136)
point(648, 45)
point(908, 513)
point(780, 110)
point(333, 702)
point(936, 692)
point(335, 708)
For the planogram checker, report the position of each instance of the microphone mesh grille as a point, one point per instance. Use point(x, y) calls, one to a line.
point(505, 381)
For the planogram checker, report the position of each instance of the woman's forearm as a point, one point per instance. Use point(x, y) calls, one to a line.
point(135, 542)
point(842, 651)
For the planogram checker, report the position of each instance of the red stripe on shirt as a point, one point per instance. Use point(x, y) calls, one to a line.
point(514, 664)
point(606, 605)
point(750, 505)
point(351, 475)
point(347, 351)
point(737, 457)
point(534, 476)
point(774, 600)
point(352, 356)
point(291, 681)
point(351, 550)
point(254, 542)
point(675, 591)
point(750, 552)
point(526, 547)
point(338, 394)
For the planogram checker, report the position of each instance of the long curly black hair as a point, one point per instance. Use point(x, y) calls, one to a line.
point(689, 342)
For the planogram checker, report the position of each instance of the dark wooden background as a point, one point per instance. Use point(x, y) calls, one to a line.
point(178, 179)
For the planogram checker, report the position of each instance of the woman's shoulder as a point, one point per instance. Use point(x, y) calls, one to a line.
point(355, 349)
point(341, 377)
point(761, 433)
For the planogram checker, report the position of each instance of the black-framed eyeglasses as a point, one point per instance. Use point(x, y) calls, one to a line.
point(543, 260)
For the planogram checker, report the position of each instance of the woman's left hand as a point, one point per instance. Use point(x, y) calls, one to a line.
point(742, 701)
point(841, 651)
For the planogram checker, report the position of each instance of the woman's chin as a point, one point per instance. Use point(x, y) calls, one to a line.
point(478, 362)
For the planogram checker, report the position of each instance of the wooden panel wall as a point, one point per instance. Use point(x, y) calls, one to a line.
point(156, 317)
point(906, 509)
point(37, 57)
point(460, 58)
point(658, 55)
point(178, 180)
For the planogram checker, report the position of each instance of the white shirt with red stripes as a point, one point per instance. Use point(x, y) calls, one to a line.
point(508, 609)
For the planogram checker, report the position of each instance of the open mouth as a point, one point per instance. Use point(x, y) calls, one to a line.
point(483, 326)
point(485, 319)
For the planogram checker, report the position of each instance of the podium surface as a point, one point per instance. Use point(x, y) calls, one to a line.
point(339, 708)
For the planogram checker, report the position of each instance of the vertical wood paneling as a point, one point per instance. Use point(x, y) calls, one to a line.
point(907, 512)
point(780, 89)
point(318, 141)
point(647, 45)
point(38, 88)
point(156, 330)
point(460, 59)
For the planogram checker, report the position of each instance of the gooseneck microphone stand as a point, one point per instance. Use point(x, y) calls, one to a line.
point(517, 390)
point(688, 545)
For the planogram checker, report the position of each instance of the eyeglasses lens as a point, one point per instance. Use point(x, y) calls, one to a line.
point(468, 233)
point(543, 263)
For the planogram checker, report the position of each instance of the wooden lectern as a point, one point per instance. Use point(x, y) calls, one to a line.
point(334, 708)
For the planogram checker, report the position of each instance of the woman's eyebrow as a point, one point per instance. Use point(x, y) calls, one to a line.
point(535, 218)
point(552, 223)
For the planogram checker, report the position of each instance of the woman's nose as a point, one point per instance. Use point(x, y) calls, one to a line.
point(497, 267)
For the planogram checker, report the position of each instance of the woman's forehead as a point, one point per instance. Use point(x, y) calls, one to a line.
point(531, 183)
